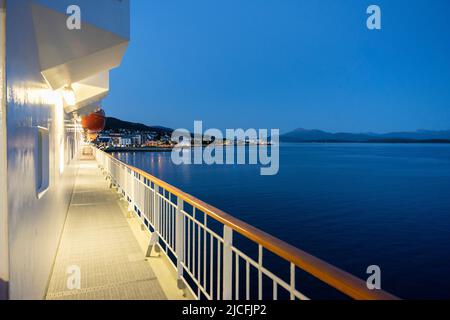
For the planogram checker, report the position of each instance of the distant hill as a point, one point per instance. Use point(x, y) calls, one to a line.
point(304, 135)
point(116, 125)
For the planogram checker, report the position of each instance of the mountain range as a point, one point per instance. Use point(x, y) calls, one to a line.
point(116, 125)
point(305, 135)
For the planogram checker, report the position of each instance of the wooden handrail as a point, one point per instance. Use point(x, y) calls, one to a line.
point(331, 275)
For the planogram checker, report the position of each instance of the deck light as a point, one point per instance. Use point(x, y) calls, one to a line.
point(69, 96)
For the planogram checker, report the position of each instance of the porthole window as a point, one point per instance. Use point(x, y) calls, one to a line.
point(42, 161)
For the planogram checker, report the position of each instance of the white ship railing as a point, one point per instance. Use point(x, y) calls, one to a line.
point(207, 260)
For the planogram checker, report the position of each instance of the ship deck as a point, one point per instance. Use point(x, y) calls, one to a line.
point(105, 246)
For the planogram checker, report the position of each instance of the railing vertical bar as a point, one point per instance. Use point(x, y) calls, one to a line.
point(275, 290)
point(170, 226)
point(156, 207)
point(218, 270)
point(260, 266)
point(174, 213)
point(237, 278)
point(166, 223)
point(189, 244)
point(227, 266)
point(204, 251)
point(179, 241)
point(153, 207)
point(184, 239)
point(211, 264)
point(163, 218)
point(167, 226)
point(199, 278)
point(194, 225)
point(247, 280)
point(162, 224)
point(292, 281)
point(166, 220)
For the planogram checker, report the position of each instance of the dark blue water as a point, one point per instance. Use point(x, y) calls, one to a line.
point(353, 205)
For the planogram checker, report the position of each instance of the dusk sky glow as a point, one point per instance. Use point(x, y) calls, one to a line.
point(286, 64)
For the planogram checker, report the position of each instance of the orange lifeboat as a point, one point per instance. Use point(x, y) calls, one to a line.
point(93, 124)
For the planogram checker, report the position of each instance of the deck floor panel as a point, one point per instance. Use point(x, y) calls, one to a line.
point(97, 240)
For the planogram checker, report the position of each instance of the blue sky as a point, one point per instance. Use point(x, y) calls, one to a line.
point(286, 64)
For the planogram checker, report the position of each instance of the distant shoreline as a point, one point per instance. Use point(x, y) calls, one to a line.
point(169, 149)
point(385, 141)
point(138, 149)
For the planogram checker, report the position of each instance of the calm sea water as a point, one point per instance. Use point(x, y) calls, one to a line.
point(353, 205)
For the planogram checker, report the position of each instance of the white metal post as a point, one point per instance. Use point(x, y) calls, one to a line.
point(292, 281)
point(130, 188)
point(179, 246)
point(227, 263)
point(154, 240)
point(260, 275)
point(155, 235)
point(156, 208)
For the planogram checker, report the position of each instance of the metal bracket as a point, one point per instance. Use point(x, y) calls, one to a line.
point(181, 286)
point(130, 207)
point(153, 244)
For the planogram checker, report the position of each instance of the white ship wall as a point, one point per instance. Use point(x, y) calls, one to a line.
point(35, 220)
point(4, 260)
point(35, 225)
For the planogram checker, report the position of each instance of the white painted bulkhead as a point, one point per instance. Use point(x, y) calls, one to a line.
point(41, 138)
point(34, 224)
point(4, 251)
